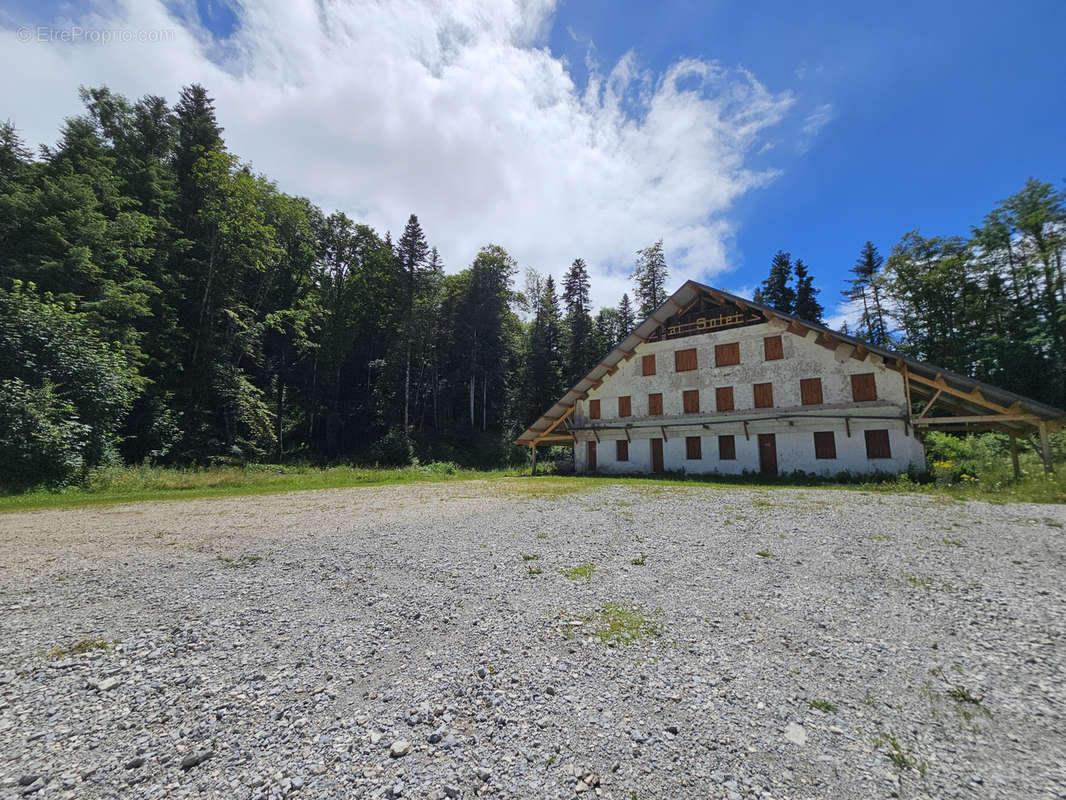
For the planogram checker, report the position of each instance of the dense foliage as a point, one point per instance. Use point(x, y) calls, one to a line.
point(161, 302)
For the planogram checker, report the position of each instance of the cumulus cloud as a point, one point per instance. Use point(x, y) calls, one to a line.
point(456, 111)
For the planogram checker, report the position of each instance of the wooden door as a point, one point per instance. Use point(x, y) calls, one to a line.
point(591, 456)
point(767, 454)
point(657, 455)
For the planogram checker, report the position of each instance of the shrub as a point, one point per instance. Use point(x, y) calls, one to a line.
point(394, 449)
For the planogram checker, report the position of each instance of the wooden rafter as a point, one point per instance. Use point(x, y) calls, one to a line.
point(982, 418)
point(973, 396)
point(555, 424)
point(928, 406)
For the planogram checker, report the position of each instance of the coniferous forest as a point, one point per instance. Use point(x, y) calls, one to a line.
point(161, 302)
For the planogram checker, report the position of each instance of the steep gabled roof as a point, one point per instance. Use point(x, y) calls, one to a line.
point(972, 402)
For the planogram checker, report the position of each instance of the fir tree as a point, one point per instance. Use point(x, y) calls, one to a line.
point(807, 305)
point(775, 291)
point(626, 322)
point(579, 339)
point(412, 252)
point(649, 276)
point(866, 286)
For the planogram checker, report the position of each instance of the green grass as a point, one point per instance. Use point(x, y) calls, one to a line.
point(579, 571)
point(617, 624)
point(822, 705)
point(84, 645)
point(639, 561)
point(764, 554)
point(143, 483)
point(138, 484)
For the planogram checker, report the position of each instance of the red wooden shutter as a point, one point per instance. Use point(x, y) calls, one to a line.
point(723, 397)
point(727, 448)
point(691, 400)
point(594, 409)
point(685, 360)
point(726, 355)
point(625, 406)
point(773, 348)
point(764, 395)
point(621, 450)
point(693, 448)
point(877, 445)
point(655, 404)
point(591, 451)
point(811, 391)
point(648, 365)
point(825, 445)
point(863, 387)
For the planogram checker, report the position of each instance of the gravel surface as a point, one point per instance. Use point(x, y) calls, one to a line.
point(435, 641)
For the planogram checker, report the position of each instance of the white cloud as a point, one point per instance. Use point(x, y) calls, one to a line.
point(845, 311)
point(456, 111)
point(812, 126)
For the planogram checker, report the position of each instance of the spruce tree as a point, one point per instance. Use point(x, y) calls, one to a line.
point(649, 276)
point(866, 286)
point(807, 305)
point(626, 322)
point(412, 252)
point(775, 291)
point(579, 339)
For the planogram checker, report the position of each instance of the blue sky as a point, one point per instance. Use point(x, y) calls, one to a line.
point(939, 110)
point(731, 129)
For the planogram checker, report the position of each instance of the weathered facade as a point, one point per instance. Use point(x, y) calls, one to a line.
point(713, 383)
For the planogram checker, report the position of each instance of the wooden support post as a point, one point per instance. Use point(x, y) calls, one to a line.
point(1014, 457)
point(847, 426)
point(1045, 448)
point(533, 451)
point(663, 431)
point(747, 436)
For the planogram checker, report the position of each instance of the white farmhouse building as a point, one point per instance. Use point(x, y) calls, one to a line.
point(714, 383)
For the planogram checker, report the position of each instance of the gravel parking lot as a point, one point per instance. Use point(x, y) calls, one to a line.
point(526, 639)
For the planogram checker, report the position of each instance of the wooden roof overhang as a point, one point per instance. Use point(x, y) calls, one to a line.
point(950, 401)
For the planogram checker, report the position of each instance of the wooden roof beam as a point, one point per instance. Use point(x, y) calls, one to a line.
point(555, 424)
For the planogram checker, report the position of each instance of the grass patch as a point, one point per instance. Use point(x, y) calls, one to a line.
point(953, 542)
point(85, 645)
point(823, 705)
point(579, 571)
point(901, 757)
point(530, 556)
point(617, 624)
point(764, 554)
point(533, 569)
point(639, 561)
point(141, 483)
point(964, 695)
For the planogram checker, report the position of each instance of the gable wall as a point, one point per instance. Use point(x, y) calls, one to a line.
point(795, 450)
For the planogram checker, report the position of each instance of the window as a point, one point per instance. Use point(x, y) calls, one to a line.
point(764, 395)
point(693, 448)
point(625, 406)
point(655, 404)
point(825, 445)
point(863, 387)
point(811, 391)
point(727, 448)
point(647, 365)
point(877, 445)
point(726, 355)
point(691, 400)
point(621, 450)
point(685, 360)
point(723, 398)
point(773, 348)
point(594, 409)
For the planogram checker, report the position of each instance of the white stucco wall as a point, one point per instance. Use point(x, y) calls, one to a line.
point(803, 358)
